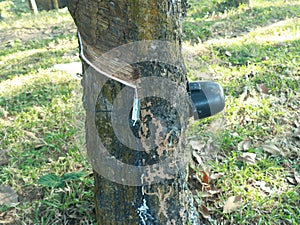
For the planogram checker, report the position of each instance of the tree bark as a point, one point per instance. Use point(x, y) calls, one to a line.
point(55, 4)
point(136, 189)
point(33, 6)
point(235, 3)
point(49, 4)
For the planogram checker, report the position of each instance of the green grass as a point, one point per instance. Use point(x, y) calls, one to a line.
point(41, 120)
point(242, 49)
point(42, 128)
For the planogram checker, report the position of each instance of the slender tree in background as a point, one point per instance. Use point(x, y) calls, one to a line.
point(233, 3)
point(33, 6)
point(104, 26)
point(46, 4)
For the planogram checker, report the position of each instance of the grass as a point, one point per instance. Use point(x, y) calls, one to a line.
point(41, 123)
point(253, 53)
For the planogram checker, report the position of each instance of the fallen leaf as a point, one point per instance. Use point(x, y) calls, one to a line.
point(8, 220)
point(228, 53)
point(262, 185)
point(196, 145)
point(262, 88)
point(203, 75)
point(209, 193)
point(264, 58)
point(39, 146)
point(297, 177)
point(30, 134)
point(296, 133)
point(205, 212)
point(198, 158)
point(4, 157)
point(39, 142)
point(244, 94)
point(235, 134)
point(291, 180)
point(205, 178)
point(215, 176)
point(282, 98)
point(248, 158)
point(4, 162)
point(216, 125)
point(213, 192)
point(8, 196)
point(205, 194)
point(244, 145)
point(272, 149)
point(232, 204)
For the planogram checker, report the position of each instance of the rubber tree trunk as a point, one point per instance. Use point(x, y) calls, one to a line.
point(55, 4)
point(33, 6)
point(237, 3)
point(50, 4)
point(139, 167)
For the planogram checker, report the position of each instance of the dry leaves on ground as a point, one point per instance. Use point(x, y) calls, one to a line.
point(262, 88)
point(204, 212)
point(272, 149)
point(4, 157)
point(263, 186)
point(244, 145)
point(8, 196)
point(232, 204)
point(248, 157)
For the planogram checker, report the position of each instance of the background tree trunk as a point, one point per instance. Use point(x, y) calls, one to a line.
point(50, 4)
point(33, 6)
point(55, 4)
point(105, 25)
point(234, 3)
